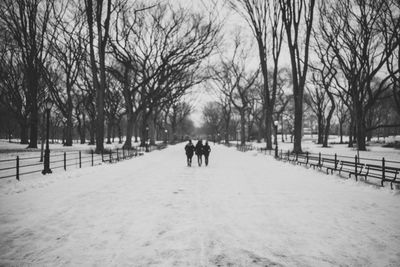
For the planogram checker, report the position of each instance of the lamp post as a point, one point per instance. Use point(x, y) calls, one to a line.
point(146, 141)
point(276, 138)
point(166, 136)
point(46, 165)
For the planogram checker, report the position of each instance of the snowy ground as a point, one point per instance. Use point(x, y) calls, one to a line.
point(245, 209)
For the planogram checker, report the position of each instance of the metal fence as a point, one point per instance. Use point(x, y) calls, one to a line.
point(22, 166)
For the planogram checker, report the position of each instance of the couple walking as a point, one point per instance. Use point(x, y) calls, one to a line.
point(200, 150)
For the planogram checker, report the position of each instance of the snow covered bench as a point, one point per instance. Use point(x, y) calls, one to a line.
point(388, 174)
point(351, 167)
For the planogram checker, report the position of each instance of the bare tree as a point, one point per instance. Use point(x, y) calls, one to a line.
point(26, 21)
point(160, 60)
point(179, 112)
point(265, 21)
point(297, 15)
point(233, 79)
point(358, 45)
point(67, 51)
point(98, 17)
point(226, 115)
point(13, 93)
point(342, 116)
point(212, 118)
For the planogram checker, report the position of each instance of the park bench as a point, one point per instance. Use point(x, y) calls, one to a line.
point(263, 149)
point(388, 174)
point(330, 164)
point(351, 167)
point(302, 159)
point(290, 157)
point(314, 161)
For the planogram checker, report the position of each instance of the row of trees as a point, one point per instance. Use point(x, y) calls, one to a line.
point(344, 65)
point(101, 62)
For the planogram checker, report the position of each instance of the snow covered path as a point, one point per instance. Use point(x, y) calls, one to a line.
point(245, 209)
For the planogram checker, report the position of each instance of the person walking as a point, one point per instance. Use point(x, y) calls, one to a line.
point(189, 149)
point(206, 152)
point(199, 151)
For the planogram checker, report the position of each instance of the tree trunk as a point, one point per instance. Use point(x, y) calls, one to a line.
point(152, 128)
point(68, 141)
point(33, 97)
point(129, 129)
point(113, 133)
point(298, 120)
point(341, 131)
point(83, 133)
point(24, 132)
point(226, 137)
point(320, 139)
point(136, 131)
point(144, 130)
point(268, 128)
point(328, 124)
point(119, 133)
point(360, 129)
point(92, 132)
point(109, 130)
point(242, 127)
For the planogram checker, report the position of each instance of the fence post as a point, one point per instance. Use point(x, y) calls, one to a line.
point(319, 159)
point(281, 155)
point(65, 161)
point(355, 166)
point(92, 157)
point(336, 161)
point(80, 159)
point(17, 168)
point(117, 154)
point(306, 158)
point(297, 156)
point(383, 171)
point(110, 155)
point(102, 156)
point(123, 153)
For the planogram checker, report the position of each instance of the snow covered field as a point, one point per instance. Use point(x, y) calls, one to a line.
point(244, 209)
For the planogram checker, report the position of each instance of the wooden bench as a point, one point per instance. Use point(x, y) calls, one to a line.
point(330, 164)
point(301, 159)
point(314, 161)
point(388, 174)
point(290, 157)
point(351, 167)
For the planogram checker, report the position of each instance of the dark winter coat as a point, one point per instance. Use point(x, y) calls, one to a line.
point(206, 150)
point(199, 149)
point(189, 148)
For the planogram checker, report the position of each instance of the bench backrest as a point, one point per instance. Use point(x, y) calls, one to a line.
point(351, 163)
point(380, 167)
